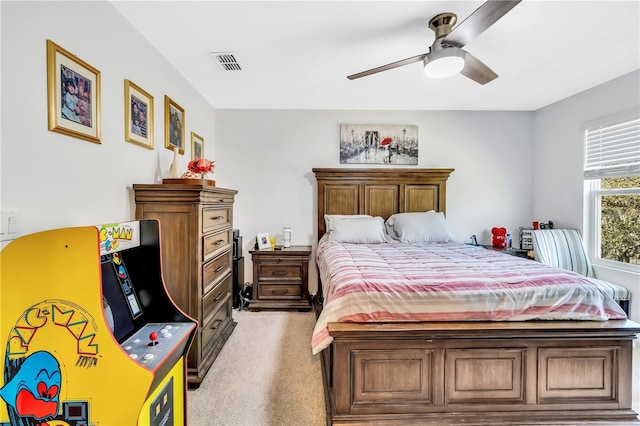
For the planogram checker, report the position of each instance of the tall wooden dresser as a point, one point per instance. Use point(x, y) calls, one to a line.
point(196, 229)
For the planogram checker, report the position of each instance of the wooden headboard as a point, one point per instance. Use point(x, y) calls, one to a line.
point(379, 192)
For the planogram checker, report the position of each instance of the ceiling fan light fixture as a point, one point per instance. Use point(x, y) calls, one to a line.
point(444, 63)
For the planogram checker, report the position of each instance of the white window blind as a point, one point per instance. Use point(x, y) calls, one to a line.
point(613, 150)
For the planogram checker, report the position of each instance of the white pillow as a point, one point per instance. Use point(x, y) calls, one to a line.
point(388, 224)
point(358, 230)
point(328, 219)
point(428, 226)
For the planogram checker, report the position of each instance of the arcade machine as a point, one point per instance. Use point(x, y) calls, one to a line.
point(91, 335)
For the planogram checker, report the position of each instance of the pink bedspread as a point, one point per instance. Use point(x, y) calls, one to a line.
point(447, 282)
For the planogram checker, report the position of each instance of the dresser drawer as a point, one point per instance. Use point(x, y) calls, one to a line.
point(216, 298)
point(210, 332)
point(279, 272)
point(214, 244)
point(213, 270)
point(215, 218)
point(279, 291)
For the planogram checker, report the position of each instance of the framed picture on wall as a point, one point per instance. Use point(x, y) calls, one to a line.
point(197, 146)
point(379, 144)
point(138, 115)
point(173, 125)
point(73, 95)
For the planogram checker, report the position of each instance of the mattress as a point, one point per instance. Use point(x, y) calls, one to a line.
point(447, 282)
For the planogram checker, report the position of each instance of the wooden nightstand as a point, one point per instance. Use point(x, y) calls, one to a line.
point(280, 278)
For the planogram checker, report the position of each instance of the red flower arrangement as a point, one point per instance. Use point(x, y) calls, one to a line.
point(202, 166)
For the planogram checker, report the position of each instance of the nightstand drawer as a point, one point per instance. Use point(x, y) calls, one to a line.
point(214, 269)
point(279, 291)
point(215, 243)
point(215, 218)
point(279, 272)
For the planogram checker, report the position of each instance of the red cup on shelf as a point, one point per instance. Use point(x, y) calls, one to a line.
point(536, 225)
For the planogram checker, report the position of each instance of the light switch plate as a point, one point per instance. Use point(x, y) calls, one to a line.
point(9, 224)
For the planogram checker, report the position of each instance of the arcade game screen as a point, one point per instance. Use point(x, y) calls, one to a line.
point(121, 305)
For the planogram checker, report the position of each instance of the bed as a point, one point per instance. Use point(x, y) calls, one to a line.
point(444, 367)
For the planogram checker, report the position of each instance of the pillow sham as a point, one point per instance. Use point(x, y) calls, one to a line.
point(328, 219)
point(388, 224)
point(358, 230)
point(428, 227)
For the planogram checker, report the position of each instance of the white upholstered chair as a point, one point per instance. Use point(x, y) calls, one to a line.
point(564, 248)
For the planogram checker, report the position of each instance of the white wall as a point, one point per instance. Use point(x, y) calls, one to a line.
point(56, 180)
point(267, 155)
point(558, 161)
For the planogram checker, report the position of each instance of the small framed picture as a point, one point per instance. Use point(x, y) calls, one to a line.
point(73, 95)
point(138, 115)
point(173, 125)
point(197, 146)
point(262, 239)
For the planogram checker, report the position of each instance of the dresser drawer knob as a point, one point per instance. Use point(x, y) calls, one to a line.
point(282, 273)
point(284, 291)
point(217, 218)
point(217, 243)
point(219, 296)
point(216, 324)
point(219, 268)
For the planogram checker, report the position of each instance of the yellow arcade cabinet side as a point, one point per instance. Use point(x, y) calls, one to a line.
point(91, 336)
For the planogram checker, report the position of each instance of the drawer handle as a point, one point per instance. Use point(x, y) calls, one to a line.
point(217, 243)
point(279, 273)
point(285, 291)
point(219, 296)
point(279, 260)
point(217, 217)
point(219, 268)
point(216, 324)
point(221, 200)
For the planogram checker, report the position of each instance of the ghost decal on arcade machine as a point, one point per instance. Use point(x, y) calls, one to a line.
point(90, 334)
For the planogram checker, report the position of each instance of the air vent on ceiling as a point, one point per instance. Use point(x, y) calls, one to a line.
point(227, 61)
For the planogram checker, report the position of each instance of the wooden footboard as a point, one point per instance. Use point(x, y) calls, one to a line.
point(480, 373)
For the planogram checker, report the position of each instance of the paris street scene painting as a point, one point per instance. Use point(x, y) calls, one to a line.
point(378, 144)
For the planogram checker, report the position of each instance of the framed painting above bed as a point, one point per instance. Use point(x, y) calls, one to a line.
point(379, 144)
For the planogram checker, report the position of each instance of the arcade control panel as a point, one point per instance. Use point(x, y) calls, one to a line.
point(153, 343)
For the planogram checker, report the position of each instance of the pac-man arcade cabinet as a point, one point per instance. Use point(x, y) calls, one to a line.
point(91, 335)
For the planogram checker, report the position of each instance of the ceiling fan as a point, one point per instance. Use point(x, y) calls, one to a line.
point(446, 56)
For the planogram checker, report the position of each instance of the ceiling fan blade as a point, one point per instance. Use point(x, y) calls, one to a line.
point(476, 70)
point(392, 65)
point(483, 17)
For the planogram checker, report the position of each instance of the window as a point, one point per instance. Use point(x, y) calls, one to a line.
point(612, 182)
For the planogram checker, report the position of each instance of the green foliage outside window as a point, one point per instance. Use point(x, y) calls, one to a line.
point(620, 221)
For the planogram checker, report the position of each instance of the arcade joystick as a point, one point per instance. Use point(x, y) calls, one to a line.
point(153, 336)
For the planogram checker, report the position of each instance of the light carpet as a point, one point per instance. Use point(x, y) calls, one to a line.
point(265, 375)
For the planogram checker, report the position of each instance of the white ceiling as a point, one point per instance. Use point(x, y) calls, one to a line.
point(297, 54)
